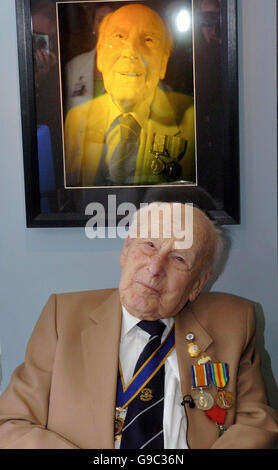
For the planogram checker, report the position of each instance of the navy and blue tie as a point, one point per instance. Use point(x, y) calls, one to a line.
point(123, 143)
point(143, 427)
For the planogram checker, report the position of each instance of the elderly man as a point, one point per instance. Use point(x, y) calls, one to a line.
point(135, 133)
point(151, 365)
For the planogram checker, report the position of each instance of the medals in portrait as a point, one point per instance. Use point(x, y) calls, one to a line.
point(167, 152)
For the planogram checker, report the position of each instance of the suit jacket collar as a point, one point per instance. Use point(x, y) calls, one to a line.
point(187, 322)
point(161, 113)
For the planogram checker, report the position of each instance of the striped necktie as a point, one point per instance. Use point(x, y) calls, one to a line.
point(122, 142)
point(143, 427)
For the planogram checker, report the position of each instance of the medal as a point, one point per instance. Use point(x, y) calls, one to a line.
point(119, 423)
point(200, 378)
point(193, 349)
point(159, 145)
point(204, 360)
point(225, 399)
point(173, 170)
point(118, 426)
point(168, 151)
point(157, 165)
point(219, 375)
point(217, 415)
point(158, 150)
point(204, 400)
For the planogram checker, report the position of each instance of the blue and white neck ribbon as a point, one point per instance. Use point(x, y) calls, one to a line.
point(125, 394)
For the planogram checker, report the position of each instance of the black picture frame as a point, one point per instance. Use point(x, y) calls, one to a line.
point(217, 136)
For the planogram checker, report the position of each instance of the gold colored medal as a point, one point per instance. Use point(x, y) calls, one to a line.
point(193, 349)
point(204, 360)
point(157, 165)
point(204, 400)
point(119, 422)
point(118, 427)
point(225, 399)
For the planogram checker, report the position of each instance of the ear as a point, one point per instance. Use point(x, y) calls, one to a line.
point(125, 248)
point(198, 286)
point(99, 57)
point(163, 67)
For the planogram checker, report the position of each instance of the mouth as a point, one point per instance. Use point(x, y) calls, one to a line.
point(144, 284)
point(130, 74)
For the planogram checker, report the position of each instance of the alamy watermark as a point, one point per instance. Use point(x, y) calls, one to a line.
point(152, 220)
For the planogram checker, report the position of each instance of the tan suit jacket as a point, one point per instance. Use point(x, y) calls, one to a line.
point(172, 114)
point(63, 396)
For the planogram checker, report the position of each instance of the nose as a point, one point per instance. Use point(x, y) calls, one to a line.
point(131, 47)
point(156, 265)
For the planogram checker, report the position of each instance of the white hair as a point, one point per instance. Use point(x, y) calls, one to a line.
point(140, 223)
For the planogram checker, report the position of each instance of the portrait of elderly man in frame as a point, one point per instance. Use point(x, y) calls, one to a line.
point(141, 131)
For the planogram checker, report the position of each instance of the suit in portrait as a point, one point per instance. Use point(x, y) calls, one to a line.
point(63, 396)
point(171, 120)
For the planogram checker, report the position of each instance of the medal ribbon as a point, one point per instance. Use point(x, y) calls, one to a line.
point(219, 374)
point(200, 375)
point(126, 394)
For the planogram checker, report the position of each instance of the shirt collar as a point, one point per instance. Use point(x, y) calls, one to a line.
point(129, 321)
point(141, 115)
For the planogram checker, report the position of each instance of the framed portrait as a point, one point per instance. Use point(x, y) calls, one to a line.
point(130, 101)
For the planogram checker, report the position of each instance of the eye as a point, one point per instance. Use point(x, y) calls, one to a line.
point(119, 35)
point(179, 261)
point(148, 39)
point(148, 247)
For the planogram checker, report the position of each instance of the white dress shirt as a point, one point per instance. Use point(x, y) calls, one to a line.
point(133, 341)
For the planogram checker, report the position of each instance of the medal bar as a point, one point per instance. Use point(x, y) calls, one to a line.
point(219, 375)
point(200, 379)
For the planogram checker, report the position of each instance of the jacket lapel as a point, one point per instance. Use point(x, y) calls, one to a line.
point(197, 423)
point(100, 342)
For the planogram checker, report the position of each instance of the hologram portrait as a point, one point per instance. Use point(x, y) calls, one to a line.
point(140, 131)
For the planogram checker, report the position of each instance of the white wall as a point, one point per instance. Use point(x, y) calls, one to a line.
point(37, 262)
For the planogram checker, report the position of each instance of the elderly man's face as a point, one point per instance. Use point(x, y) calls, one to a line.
point(157, 279)
point(132, 55)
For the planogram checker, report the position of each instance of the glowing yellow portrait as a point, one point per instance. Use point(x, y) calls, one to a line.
point(136, 133)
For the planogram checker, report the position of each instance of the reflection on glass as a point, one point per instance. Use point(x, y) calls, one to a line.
point(183, 21)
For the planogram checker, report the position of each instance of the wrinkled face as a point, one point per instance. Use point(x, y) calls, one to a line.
point(157, 280)
point(131, 55)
